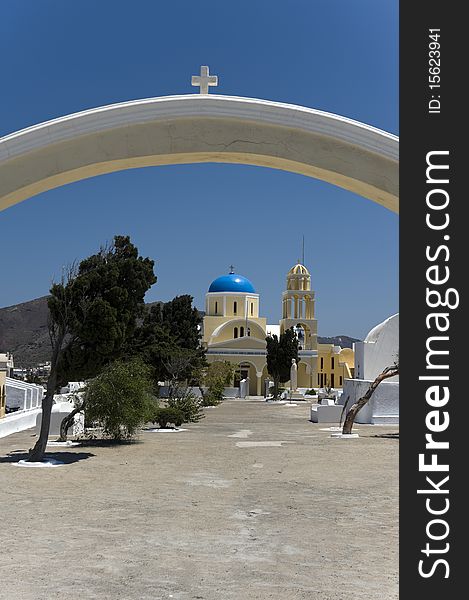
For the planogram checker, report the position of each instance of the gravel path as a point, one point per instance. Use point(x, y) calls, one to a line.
point(254, 502)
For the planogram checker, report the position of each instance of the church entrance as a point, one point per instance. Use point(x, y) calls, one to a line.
point(243, 371)
point(240, 373)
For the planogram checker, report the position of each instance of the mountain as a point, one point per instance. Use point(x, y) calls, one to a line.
point(23, 332)
point(344, 341)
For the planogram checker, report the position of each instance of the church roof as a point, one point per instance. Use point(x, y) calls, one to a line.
point(232, 283)
point(298, 269)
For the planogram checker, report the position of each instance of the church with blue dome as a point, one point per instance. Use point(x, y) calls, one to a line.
point(234, 331)
point(232, 283)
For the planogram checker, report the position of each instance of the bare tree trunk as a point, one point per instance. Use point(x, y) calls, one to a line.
point(352, 413)
point(37, 453)
point(67, 422)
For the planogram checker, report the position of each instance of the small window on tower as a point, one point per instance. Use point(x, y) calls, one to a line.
point(235, 307)
point(252, 308)
point(332, 362)
point(216, 308)
point(322, 363)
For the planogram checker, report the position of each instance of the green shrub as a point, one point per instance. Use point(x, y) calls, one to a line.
point(211, 399)
point(310, 392)
point(152, 411)
point(217, 376)
point(119, 399)
point(167, 414)
point(188, 404)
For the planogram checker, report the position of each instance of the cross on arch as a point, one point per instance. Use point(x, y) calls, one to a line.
point(204, 80)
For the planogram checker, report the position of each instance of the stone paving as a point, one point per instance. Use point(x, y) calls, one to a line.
point(253, 502)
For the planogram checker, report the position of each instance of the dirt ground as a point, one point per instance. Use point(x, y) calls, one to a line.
point(205, 514)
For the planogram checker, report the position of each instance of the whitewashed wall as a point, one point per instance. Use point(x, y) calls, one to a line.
point(383, 406)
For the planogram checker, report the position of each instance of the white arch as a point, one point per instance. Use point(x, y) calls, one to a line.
point(200, 128)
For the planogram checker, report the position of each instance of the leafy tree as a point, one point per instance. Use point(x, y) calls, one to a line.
point(154, 344)
point(93, 315)
point(180, 395)
point(216, 377)
point(120, 399)
point(171, 331)
point(280, 353)
point(183, 321)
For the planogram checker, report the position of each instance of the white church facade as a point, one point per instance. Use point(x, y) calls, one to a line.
point(234, 331)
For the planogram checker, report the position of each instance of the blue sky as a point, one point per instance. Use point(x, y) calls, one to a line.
point(63, 56)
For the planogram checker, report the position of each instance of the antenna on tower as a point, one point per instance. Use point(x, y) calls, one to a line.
point(303, 254)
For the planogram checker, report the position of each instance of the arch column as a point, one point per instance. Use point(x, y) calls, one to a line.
point(258, 383)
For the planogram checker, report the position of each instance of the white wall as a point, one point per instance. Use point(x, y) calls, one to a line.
point(22, 395)
point(383, 406)
point(378, 351)
point(18, 421)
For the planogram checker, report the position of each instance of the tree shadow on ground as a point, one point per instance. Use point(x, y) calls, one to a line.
point(387, 436)
point(67, 458)
point(104, 443)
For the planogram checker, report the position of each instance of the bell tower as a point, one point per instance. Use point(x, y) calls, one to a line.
point(298, 307)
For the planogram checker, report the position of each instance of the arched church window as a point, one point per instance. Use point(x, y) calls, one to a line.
point(322, 363)
point(235, 332)
point(216, 308)
point(241, 332)
point(332, 362)
point(252, 308)
point(235, 307)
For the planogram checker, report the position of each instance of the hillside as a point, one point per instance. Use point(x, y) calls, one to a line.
point(23, 331)
point(344, 341)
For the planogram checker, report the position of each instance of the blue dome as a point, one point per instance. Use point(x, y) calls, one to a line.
point(232, 283)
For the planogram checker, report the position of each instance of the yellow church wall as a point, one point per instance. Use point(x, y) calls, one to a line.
point(306, 372)
point(254, 364)
point(333, 367)
point(232, 305)
point(211, 324)
point(310, 327)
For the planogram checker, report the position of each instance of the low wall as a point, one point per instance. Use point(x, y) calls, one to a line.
point(383, 406)
point(59, 411)
point(19, 421)
point(23, 395)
